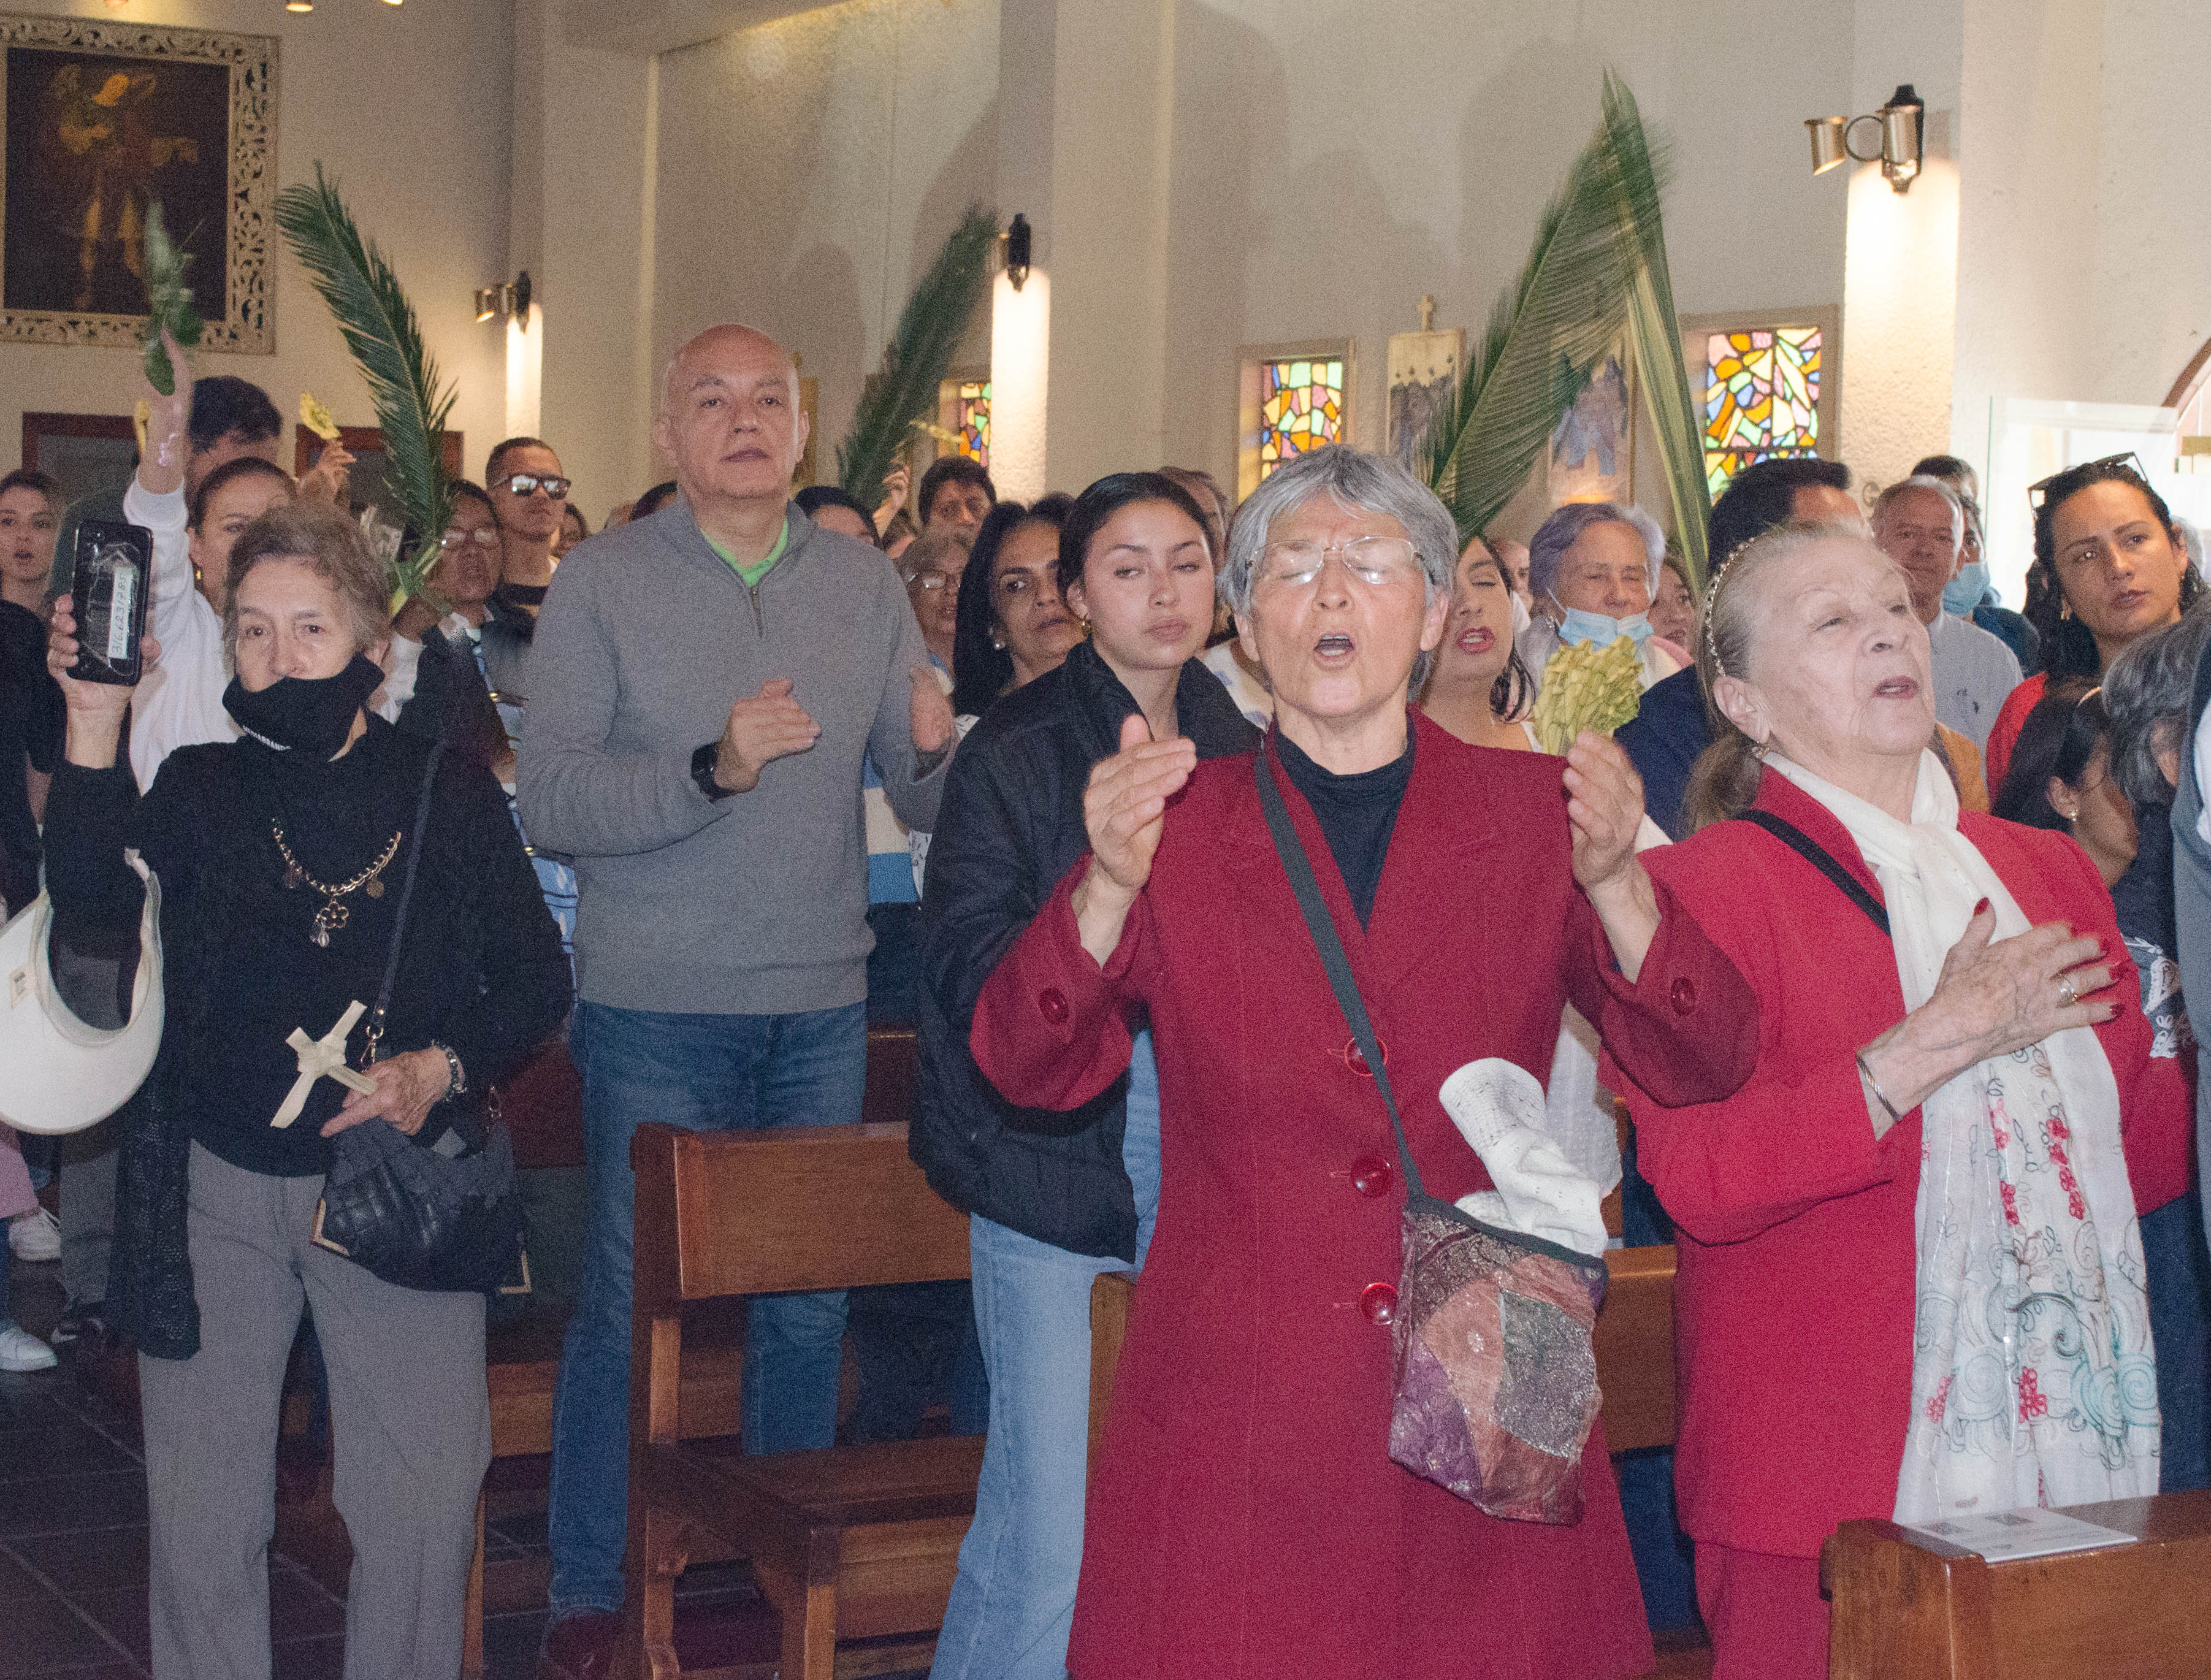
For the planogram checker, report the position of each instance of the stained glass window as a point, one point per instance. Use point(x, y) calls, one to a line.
point(1761, 398)
point(1300, 408)
point(971, 418)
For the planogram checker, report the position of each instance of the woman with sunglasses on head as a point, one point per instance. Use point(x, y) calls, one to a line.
point(2109, 567)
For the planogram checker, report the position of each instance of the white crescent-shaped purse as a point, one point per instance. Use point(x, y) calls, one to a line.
point(57, 1073)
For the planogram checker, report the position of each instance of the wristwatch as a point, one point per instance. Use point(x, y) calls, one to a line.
point(703, 762)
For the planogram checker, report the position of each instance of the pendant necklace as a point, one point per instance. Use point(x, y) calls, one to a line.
point(333, 914)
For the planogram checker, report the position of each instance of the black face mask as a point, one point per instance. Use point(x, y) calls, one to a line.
point(310, 715)
point(521, 594)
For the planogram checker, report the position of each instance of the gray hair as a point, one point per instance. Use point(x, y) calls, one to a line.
point(1371, 484)
point(1547, 548)
point(2148, 692)
point(333, 547)
point(1934, 487)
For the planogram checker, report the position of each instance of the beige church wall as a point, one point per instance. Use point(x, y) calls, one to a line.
point(808, 172)
point(1334, 161)
point(408, 108)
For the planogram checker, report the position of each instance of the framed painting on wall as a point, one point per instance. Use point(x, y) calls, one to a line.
point(81, 452)
point(102, 120)
point(1423, 373)
point(1592, 456)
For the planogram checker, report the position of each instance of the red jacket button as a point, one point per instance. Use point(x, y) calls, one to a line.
point(1051, 1004)
point(1355, 1058)
point(1379, 1302)
point(1685, 995)
point(1371, 1176)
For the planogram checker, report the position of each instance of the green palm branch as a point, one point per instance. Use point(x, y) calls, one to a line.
point(1654, 329)
point(380, 330)
point(168, 302)
point(1544, 339)
point(919, 356)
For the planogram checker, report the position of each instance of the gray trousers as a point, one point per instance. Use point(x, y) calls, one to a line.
point(412, 1435)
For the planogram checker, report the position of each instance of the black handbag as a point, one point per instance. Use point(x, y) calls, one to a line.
point(437, 1210)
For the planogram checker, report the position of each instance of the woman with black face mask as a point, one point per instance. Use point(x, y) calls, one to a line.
point(283, 864)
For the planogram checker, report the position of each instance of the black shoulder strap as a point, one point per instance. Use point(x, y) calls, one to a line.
point(1332, 958)
point(1822, 860)
point(406, 894)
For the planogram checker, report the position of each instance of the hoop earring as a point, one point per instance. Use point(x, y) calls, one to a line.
point(2064, 608)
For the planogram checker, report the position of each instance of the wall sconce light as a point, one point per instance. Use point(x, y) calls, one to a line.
point(1016, 242)
point(298, 5)
point(1901, 138)
point(509, 299)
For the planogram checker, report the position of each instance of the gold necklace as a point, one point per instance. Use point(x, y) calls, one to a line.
point(333, 915)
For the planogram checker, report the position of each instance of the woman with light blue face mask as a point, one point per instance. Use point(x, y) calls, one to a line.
point(1593, 567)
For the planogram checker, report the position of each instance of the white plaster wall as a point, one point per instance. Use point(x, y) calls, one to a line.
point(808, 170)
point(1334, 159)
point(407, 107)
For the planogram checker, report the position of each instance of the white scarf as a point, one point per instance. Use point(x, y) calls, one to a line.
point(2033, 1381)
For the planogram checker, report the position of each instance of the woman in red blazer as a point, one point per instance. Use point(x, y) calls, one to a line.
point(1244, 1518)
point(1818, 1331)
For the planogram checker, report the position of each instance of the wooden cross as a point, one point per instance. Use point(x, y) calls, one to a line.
point(1427, 312)
point(322, 1058)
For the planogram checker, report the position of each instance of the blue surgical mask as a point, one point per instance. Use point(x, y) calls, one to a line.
point(1963, 592)
point(1594, 627)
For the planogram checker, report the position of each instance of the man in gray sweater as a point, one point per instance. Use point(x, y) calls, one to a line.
point(703, 686)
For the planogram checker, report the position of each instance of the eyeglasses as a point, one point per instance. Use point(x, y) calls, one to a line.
point(1378, 563)
point(459, 539)
point(927, 580)
point(2038, 492)
point(528, 483)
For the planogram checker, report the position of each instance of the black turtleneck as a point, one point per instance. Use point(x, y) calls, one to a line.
point(1357, 813)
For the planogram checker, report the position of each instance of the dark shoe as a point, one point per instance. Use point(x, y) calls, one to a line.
point(82, 1321)
point(579, 1646)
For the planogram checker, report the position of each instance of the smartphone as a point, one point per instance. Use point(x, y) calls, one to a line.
point(111, 575)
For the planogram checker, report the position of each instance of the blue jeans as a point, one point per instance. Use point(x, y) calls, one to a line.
point(1013, 1603)
point(2179, 1271)
point(707, 1073)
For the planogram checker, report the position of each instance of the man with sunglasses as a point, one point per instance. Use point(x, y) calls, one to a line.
point(529, 495)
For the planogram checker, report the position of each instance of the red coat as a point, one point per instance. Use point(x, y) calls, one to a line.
point(2011, 718)
point(1793, 1303)
point(1246, 1519)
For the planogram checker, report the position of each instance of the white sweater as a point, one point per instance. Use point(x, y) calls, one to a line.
point(180, 702)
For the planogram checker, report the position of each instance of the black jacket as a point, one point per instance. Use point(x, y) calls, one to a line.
point(1010, 826)
point(482, 967)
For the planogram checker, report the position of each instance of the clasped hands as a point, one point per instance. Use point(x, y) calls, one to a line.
point(771, 724)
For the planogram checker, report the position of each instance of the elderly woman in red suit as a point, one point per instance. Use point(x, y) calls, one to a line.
point(1910, 1276)
point(1246, 1519)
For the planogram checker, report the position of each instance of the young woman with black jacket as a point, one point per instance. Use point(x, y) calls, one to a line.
point(1055, 1198)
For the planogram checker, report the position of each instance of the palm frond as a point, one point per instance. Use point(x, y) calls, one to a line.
point(380, 330)
point(1653, 328)
point(916, 361)
point(1543, 341)
point(168, 302)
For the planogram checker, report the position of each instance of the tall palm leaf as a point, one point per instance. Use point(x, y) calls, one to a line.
point(1653, 328)
point(916, 361)
point(1544, 338)
point(380, 330)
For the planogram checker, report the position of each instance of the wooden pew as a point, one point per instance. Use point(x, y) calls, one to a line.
point(1907, 1608)
point(845, 1543)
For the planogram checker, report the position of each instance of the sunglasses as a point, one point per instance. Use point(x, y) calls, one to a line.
point(2038, 492)
point(528, 483)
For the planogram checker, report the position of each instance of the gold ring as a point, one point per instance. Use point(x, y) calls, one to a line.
point(2065, 985)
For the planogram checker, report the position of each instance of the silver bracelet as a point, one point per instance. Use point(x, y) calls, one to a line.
point(1864, 1070)
point(459, 1084)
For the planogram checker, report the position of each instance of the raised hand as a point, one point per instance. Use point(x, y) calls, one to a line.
point(895, 482)
point(768, 726)
point(1124, 808)
point(933, 725)
point(325, 481)
point(95, 710)
point(1604, 805)
point(168, 424)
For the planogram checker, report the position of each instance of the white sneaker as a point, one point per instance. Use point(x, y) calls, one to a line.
point(36, 1235)
point(19, 1350)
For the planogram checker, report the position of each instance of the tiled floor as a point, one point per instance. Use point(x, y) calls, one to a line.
point(73, 1548)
